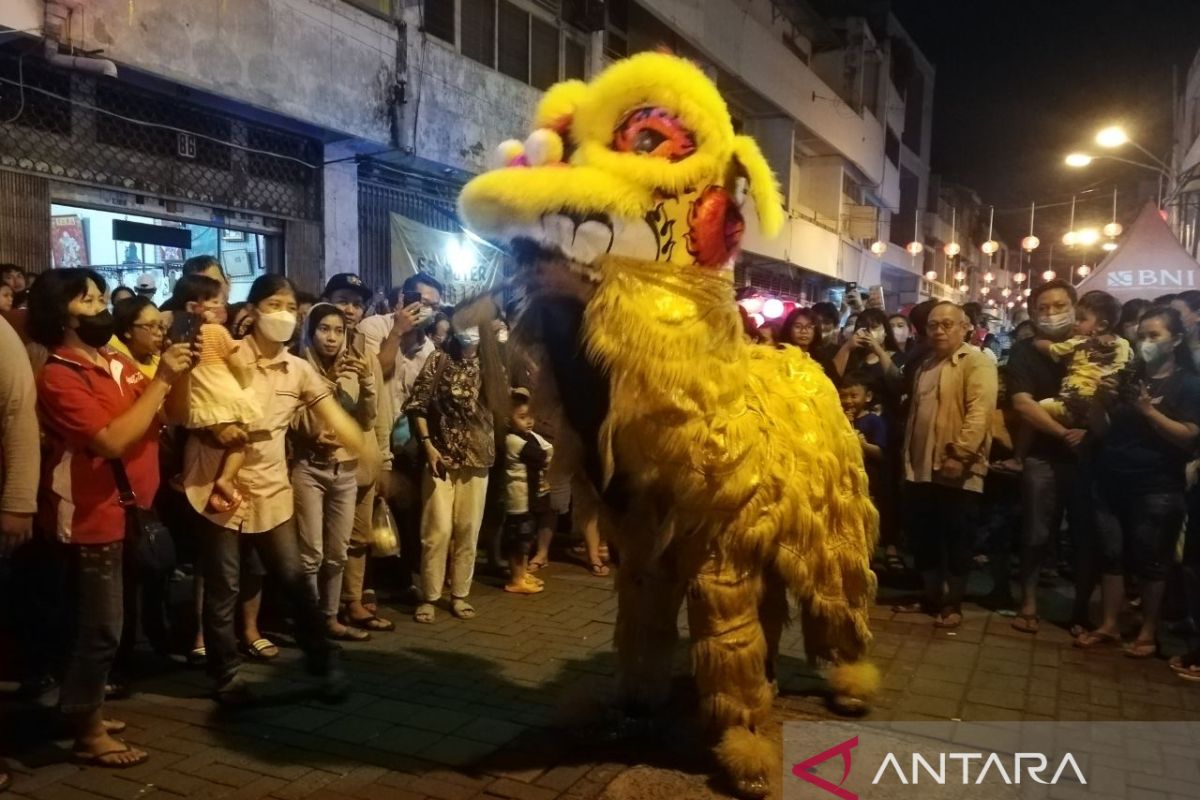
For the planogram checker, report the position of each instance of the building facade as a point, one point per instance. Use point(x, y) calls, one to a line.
point(293, 133)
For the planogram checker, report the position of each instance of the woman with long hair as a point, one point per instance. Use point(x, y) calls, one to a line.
point(100, 418)
point(1140, 481)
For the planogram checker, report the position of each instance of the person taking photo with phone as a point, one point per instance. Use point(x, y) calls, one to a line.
point(455, 431)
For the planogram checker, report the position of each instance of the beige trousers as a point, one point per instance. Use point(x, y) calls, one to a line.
point(450, 521)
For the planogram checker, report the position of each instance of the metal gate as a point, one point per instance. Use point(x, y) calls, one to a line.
point(102, 132)
point(383, 191)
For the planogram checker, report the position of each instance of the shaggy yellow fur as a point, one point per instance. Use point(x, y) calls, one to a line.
point(744, 482)
point(860, 679)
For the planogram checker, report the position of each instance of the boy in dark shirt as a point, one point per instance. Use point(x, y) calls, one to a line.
point(857, 403)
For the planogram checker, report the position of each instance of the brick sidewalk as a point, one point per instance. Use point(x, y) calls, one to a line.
point(459, 710)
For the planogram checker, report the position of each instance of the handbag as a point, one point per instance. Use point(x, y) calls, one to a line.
point(153, 549)
point(385, 537)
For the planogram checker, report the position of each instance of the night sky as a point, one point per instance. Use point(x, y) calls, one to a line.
point(1020, 83)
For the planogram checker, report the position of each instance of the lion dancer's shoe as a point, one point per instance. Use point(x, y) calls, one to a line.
point(853, 685)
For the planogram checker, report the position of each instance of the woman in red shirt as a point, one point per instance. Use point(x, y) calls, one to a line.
point(95, 407)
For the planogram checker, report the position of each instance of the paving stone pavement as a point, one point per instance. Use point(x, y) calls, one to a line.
point(476, 709)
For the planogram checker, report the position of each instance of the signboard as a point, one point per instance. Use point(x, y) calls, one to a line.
point(464, 266)
point(68, 242)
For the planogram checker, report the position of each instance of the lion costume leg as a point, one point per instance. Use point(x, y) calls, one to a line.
point(729, 656)
point(649, 595)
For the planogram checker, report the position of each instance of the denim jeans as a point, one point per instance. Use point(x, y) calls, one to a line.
point(222, 552)
point(325, 505)
point(96, 606)
point(1138, 533)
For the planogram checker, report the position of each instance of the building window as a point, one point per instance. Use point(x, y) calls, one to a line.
point(525, 39)
point(438, 19)
point(891, 147)
point(479, 31)
point(512, 41)
point(380, 8)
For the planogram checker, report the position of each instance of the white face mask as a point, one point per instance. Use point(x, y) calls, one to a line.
point(900, 332)
point(278, 326)
point(1057, 324)
point(468, 337)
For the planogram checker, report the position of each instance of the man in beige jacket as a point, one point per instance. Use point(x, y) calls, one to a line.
point(946, 445)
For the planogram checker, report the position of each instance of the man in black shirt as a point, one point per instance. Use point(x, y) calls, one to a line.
point(1052, 479)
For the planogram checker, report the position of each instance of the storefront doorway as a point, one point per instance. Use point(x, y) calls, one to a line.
point(125, 237)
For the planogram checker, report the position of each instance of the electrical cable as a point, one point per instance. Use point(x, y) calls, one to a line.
point(157, 125)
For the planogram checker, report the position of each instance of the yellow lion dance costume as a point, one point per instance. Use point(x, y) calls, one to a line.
point(729, 474)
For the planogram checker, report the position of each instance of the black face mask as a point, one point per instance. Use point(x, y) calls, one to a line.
point(95, 330)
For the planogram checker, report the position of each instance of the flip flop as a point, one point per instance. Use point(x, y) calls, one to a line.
point(598, 570)
point(371, 623)
point(1186, 666)
point(524, 587)
point(262, 649)
point(97, 759)
point(349, 634)
point(197, 657)
point(1141, 649)
point(1093, 639)
point(948, 621)
point(1026, 623)
point(534, 580)
point(461, 608)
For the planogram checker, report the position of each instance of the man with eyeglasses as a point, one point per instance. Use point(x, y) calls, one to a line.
point(945, 456)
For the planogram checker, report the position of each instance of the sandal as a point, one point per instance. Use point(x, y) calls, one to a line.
point(598, 570)
point(1140, 648)
point(460, 608)
point(98, 759)
point(524, 587)
point(262, 649)
point(1026, 623)
point(198, 657)
point(348, 634)
point(948, 621)
point(371, 623)
point(1187, 666)
point(425, 613)
point(370, 600)
point(1096, 639)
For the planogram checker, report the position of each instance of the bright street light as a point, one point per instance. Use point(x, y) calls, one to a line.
point(1112, 136)
point(1078, 160)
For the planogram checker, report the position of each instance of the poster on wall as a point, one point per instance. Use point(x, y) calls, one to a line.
point(464, 266)
point(68, 241)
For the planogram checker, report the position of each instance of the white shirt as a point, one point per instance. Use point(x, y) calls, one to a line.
point(408, 365)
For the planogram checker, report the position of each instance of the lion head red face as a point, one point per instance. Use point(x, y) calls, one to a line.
point(640, 163)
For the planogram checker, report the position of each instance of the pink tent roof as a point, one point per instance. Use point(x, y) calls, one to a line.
point(1150, 262)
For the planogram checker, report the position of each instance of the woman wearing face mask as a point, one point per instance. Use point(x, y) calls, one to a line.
point(264, 522)
point(1140, 480)
point(455, 429)
point(902, 335)
point(97, 409)
point(869, 352)
point(324, 473)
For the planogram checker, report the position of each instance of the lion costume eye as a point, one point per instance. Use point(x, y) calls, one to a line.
point(655, 132)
